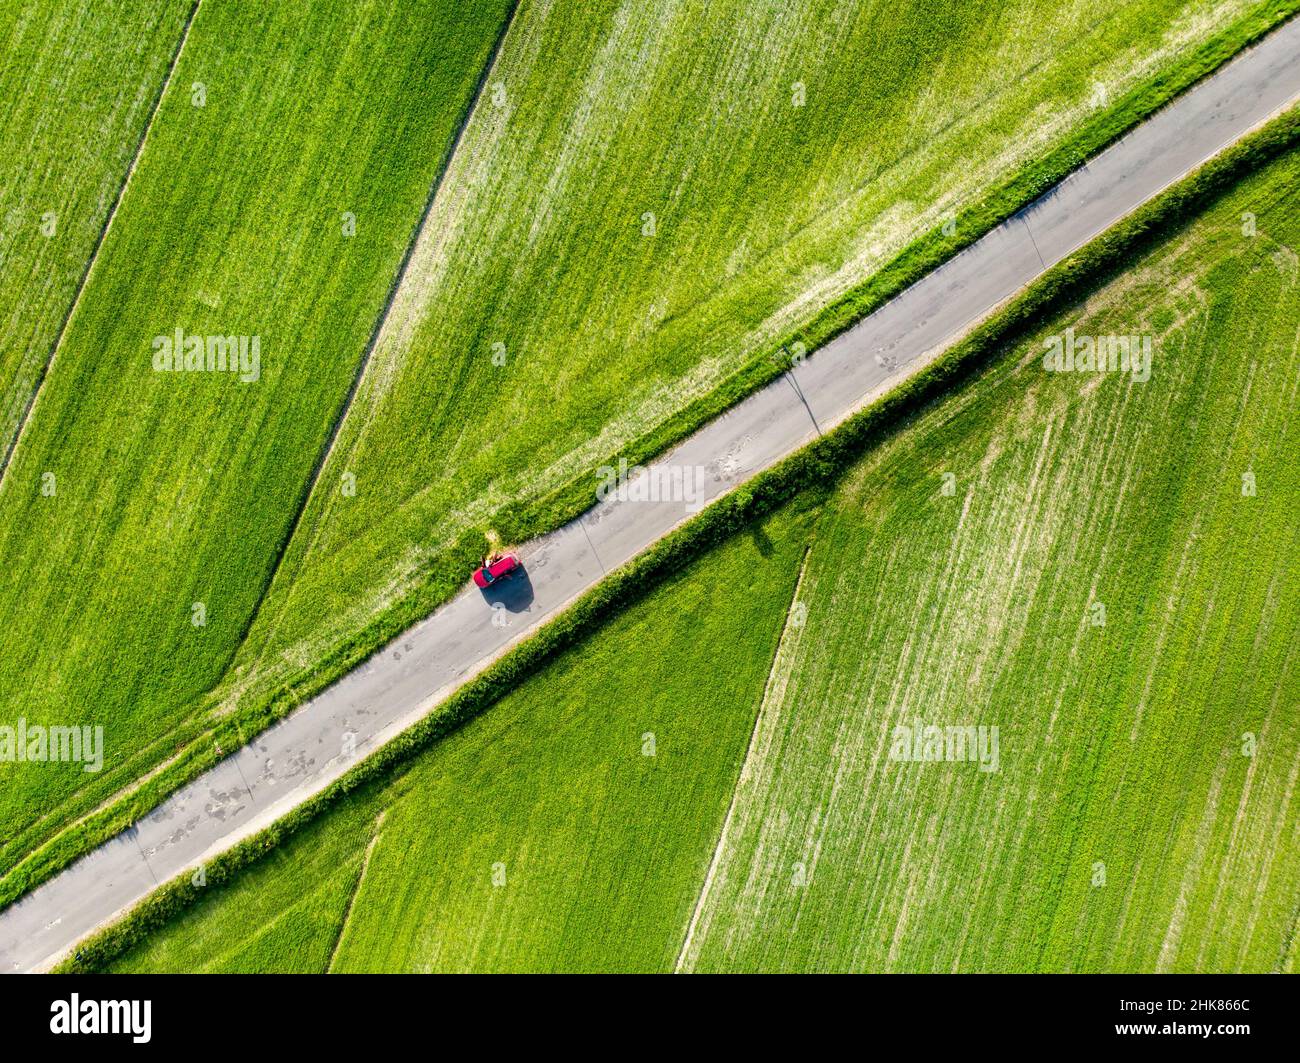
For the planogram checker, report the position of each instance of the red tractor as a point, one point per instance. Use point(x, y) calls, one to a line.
point(494, 568)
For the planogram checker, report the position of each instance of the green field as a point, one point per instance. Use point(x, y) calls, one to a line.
point(1124, 827)
point(597, 847)
point(173, 491)
point(79, 130)
point(786, 152)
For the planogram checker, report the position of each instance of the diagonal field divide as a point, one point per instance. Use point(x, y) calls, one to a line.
point(376, 333)
point(99, 242)
point(305, 752)
point(755, 754)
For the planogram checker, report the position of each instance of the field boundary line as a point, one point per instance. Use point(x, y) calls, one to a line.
point(41, 377)
point(707, 885)
point(356, 888)
point(399, 279)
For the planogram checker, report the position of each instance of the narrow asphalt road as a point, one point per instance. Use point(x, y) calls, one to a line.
point(306, 751)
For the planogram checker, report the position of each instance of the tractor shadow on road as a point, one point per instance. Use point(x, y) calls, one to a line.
point(515, 592)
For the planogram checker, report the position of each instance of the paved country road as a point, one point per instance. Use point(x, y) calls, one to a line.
point(303, 753)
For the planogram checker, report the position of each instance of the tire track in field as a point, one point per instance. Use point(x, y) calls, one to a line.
point(399, 279)
point(99, 242)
